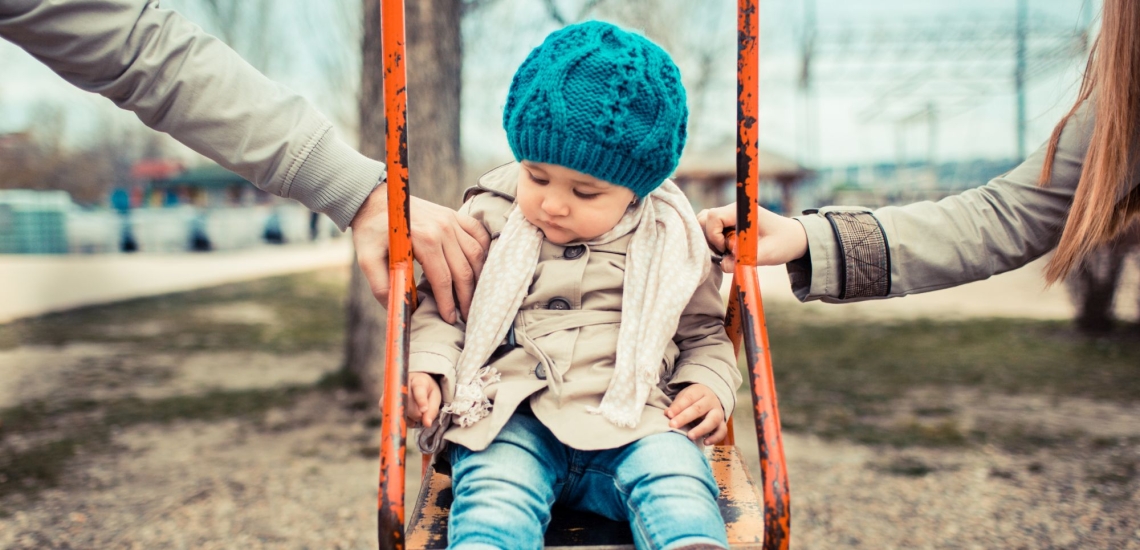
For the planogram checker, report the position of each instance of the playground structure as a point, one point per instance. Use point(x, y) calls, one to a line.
point(754, 518)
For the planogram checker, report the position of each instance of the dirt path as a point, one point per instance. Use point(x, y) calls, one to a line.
point(34, 285)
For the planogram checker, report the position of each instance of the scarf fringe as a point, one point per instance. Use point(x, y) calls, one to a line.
point(621, 418)
point(471, 404)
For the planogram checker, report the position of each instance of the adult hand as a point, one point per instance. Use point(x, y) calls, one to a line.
point(448, 245)
point(781, 239)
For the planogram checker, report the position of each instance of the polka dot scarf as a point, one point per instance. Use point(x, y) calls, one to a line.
point(667, 258)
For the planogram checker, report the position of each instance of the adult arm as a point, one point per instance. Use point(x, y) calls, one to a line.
point(857, 254)
point(179, 80)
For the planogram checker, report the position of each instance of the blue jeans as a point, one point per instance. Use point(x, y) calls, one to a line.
point(662, 485)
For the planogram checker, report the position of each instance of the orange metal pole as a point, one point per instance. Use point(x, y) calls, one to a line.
point(402, 294)
point(773, 468)
point(732, 327)
point(747, 130)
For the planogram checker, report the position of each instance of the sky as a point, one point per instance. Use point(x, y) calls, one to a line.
point(830, 133)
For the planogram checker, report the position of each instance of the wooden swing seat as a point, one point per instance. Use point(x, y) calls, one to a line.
point(740, 506)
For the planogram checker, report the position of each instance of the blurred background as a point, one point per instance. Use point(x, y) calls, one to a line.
point(187, 361)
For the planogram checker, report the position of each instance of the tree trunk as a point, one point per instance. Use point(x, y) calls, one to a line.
point(434, 61)
point(1092, 285)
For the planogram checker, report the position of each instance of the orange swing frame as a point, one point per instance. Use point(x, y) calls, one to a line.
point(744, 321)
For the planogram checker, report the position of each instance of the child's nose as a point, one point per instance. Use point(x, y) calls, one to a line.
point(554, 207)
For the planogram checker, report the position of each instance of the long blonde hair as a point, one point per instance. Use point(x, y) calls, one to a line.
point(1113, 73)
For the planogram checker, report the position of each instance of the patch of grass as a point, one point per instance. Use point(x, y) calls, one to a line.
point(38, 439)
point(1120, 471)
point(339, 379)
point(908, 467)
point(838, 380)
point(215, 405)
point(28, 469)
point(39, 466)
point(1022, 439)
point(908, 434)
point(308, 315)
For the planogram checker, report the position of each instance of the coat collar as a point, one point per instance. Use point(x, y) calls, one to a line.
point(501, 181)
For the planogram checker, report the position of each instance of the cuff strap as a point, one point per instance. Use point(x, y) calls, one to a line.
point(866, 258)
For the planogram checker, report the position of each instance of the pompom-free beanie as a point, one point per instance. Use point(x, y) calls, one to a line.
point(600, 100)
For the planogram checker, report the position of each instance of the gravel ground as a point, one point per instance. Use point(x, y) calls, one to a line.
point(304, 475)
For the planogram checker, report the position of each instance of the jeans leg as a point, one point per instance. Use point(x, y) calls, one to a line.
point(663, 485)
point(503, 494)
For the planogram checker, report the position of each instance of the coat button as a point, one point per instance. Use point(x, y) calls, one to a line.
point(558, 303)
point(574, 252)
point(540, 371)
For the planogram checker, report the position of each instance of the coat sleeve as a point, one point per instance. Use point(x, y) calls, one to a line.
point(706, 352)
point(179, 80)
point(856, 254)
point(435, 344)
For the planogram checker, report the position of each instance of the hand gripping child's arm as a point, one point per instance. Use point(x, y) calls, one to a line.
point(434, 351)
point(705, 376)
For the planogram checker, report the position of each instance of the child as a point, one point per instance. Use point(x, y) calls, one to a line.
point(595, 338)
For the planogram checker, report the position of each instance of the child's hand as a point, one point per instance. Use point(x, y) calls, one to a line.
point(425, 398)
point(698, 401)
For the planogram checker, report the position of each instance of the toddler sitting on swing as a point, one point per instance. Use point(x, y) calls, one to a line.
point(594, 359)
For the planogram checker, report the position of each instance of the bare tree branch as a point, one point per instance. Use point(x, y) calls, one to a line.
point(587, 8)
point(554, 13)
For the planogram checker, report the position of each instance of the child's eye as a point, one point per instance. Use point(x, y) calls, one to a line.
point(535, 179)
point(586, 196)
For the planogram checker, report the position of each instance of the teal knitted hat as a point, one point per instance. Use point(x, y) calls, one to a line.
point(600, 100)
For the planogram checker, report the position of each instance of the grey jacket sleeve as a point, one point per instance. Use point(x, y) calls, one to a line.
point(179, 80)
point(856, 254)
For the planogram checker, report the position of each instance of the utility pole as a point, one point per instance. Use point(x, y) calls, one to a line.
point(1019, 74)
point(932, 134)
point(809, 139)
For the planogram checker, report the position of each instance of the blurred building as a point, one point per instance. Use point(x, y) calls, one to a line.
point(162, 182)
point(710, 180)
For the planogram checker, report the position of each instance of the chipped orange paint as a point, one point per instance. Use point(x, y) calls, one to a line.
point(750, 524)
point(747, 129)
point(746, 284)
point(427, 528)
point(740, 505)
point(396, 123)
point(402, 293)
point(773, 469)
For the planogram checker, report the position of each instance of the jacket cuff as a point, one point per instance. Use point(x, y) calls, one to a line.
point(693, 373)
point(866, 265)
point(818, 276)
point(849, 257)
point(334, 178)
point(439, 361)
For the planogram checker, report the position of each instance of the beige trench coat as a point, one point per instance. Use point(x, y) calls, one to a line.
point(566, 332)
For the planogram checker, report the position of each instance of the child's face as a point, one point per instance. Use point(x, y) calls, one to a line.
point(568, 205)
